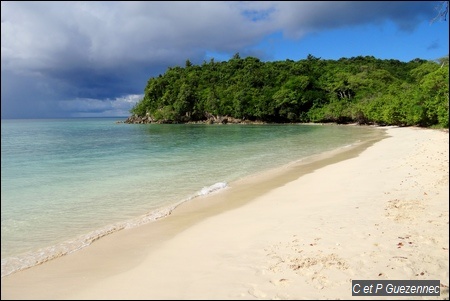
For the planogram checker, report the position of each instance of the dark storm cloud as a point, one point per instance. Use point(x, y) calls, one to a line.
point(89, 53)
point(25, 97)
point(300, 18)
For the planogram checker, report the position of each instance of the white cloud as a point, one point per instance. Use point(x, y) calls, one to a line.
point(42, 34)
point(88, 107)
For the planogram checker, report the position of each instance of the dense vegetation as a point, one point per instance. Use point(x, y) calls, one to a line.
point(360, 89)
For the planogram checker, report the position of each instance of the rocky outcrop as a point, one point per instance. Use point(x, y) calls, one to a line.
point(135, 119)
point(209, 119)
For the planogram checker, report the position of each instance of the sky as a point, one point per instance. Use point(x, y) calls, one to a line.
point(94, 58)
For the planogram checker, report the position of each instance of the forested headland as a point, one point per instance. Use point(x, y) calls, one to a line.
point(362, 90)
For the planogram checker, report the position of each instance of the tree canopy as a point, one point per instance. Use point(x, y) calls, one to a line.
point(359, 89)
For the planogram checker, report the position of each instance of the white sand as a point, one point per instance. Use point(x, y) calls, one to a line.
point(381, 215)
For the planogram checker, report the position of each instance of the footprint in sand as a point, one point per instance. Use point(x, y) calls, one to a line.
point(280, 282)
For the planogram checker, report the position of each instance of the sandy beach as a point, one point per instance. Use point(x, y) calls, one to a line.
point(376, 212)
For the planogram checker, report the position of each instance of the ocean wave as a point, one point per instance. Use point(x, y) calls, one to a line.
point(213, 188)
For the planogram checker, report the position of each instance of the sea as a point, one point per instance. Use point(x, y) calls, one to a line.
point(68, 182)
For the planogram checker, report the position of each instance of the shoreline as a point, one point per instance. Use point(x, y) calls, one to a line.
point(273, 177)
point(305, 246)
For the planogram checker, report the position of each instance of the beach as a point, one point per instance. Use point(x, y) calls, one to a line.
point(379, 212)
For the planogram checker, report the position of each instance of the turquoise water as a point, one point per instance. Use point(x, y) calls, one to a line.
point(65, 182)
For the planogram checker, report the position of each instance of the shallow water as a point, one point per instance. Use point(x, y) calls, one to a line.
point(67, 182)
